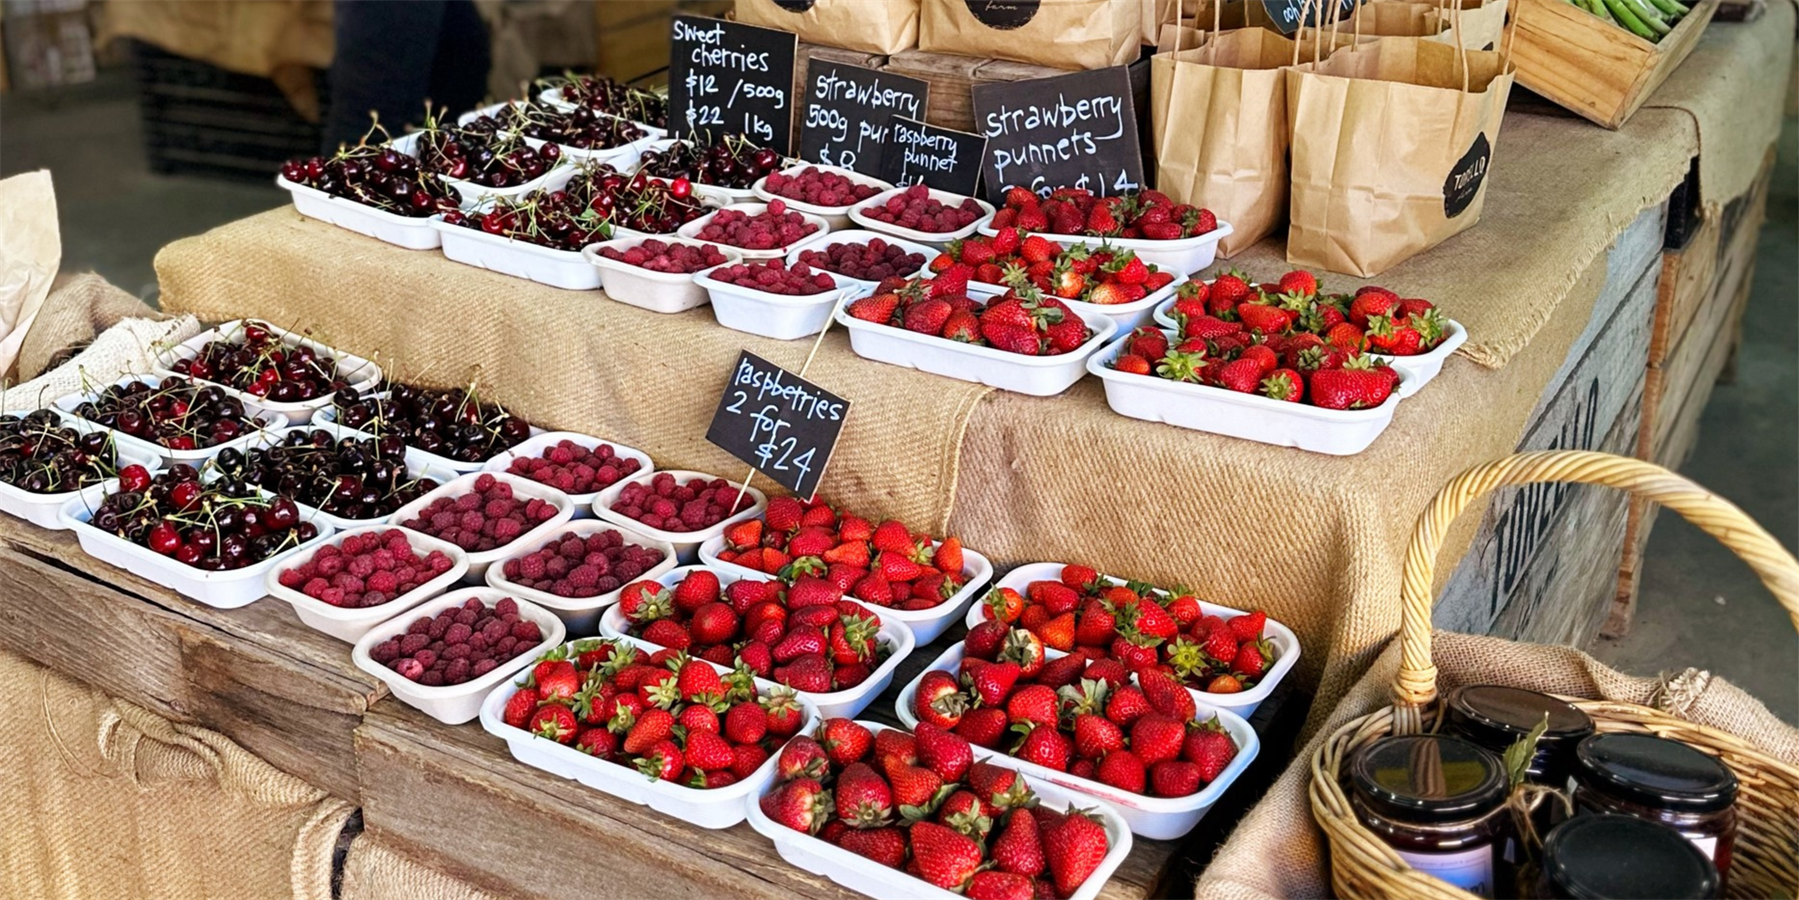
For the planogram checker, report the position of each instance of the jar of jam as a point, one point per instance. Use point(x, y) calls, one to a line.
point(1662, 781)
point(1439, 802)
point(1609, 857)
point(1496, 717)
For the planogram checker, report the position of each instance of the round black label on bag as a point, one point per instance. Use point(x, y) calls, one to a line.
point(1464, 181)
point(1004, 15)
point(795, 6)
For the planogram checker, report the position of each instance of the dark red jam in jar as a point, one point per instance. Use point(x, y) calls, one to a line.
point(1662, 781)
point(1496, 717)
point(1439, 802)
point(1610, 857)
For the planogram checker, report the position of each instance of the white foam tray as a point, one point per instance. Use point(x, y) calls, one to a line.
point(1040, 376)
point(454, 704)
point(271, 423)
point(350, 625)
point(926, 624)
point(686, 543)
point(356, 371)
point(720, 196)
point(580, 615)
point(831, 704)
point(1182, 257)
point(553, 98)
point(224, 590)
point(859, 873)
point(715, 808)
point(1156, 818)
point(662, 292)
point(536, 445)
point(859, 215)
point(861, 287)
point(523, 489)
point(1419, 369)
point(415, 467)
point(783, 317)
point(566, 269)
point(1244, 703)
point(471, 193)
point(45, 510)
point(328, 417)
point(612, 156)
point(1202, 407)
point(837, 216)
point(692, 229)
point(1131, 315)
point(401, 231)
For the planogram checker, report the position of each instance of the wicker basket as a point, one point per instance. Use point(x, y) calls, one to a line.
point(1766, 858)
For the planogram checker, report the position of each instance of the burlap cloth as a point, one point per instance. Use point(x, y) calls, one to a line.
point(105, 799)
point(1315, 540)
point(94, 333)
point(374, 870)
point(1278, 851)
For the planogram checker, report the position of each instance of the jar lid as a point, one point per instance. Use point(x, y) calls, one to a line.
point(1428, 778)
point(1498, 716)
point(1655, 772)
point(1625, 858)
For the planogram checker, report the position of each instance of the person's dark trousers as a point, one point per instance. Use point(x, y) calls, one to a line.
point(393, 55)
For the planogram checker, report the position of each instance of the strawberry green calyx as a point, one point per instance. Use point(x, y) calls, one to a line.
point(1182, 365)
point(1187, 658)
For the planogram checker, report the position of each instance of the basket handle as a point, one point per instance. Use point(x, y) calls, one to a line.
point(1415, 685)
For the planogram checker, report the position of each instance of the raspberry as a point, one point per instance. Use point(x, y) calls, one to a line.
point(584, 576)
point(442, 522)
point(527, 632)
point(331, 566)
point(482, 667)
point(439, 562)
point(413, 643)
point(316, 588)
point(498, 509)
point(361, 566)
point(385, 582)
point(385, 652)
point(485, 482)
point(506, 607)
point(562, 454)
point(531, 567)
point(458, 633)
point(333, 596)
point(468, 502)
point(382, 560)
point(505, 531)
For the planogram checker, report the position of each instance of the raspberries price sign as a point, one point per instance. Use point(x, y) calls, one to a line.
point(940, 158)
point(847, 108)
point(781, 424)
point(729, 78)
point(1077, 130)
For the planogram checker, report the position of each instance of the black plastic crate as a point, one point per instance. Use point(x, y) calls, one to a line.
point(201, 119)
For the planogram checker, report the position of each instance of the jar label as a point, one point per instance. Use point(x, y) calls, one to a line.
point(1470, 870)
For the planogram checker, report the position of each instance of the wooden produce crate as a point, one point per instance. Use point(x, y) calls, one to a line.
point(1595, 68)
point(1542, 565)
point(1698, 322)
point(631, 37)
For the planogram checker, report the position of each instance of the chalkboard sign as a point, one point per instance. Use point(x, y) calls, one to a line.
point(726, 77)
point(1075, 130)
point(941, 158)
point(778, 422)
point(1285, 13)
point(846, 113)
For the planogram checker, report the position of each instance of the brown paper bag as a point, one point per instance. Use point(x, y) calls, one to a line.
point(1061, 34)
point(1390, 153)
point(872, 26)
point(1220, 117)
point(1482, 22)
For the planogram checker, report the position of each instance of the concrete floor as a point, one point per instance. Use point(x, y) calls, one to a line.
point(1699, 605)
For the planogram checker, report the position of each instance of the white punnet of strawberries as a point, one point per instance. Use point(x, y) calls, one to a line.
point(777, 226)
point(881, 565)
point(774, 276)
point(1134, 623)
point(1287, 340)
point(819, 187)
point(920, 803)
point(915, 209)
point(803, 635)
point(365, 570)
point(1086, 717)
point(1147, 215)
point(665, 504)
point(667, 715)
point(661, 256)
point(1023, 320)
point(459, 644)
point(1104, 275)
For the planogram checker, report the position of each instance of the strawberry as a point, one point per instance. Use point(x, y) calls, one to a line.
point(785, 715)
point(1156, 737)
point(1035, 249)
point(943, 752)
point(744, 535)
point(951, 282)
point(914, 787)
point(878, 308)
point(1095, 736)
point(892, 537)
point(1225, 684)
point(985, 640)
point(1358, 385)
point(1130, 269)
point(1264, 319)
point(699, 588)
point(708, 752)
point(1034, 703)
point(852, 641)
point(1174, 778)
point(1220, 645)
point(1247, 627)
point(644, 601)
point(1392, 336)
point(1210, 748)
point(942, 856)
point(1152, 620)
point(1299, 283)
point(1227, 291)
point(999, 788)
point(846, 740)
point(1252, 659)
point(520, 706)
point(1283, 384)
point(698, 717)
point(1058, 632)
point(1371, 301)
point(801, 804)
point(1074, 848)
point(992, 683)
point(1126, 705)
point(554, 722)
point(1046, 746)
point(1020, 198)
point(809, 673)
point(653, 726)
point(938, 700)
point(1166, 695)
point(1019, 847)
point(991, 885)
point(803, 757)
point(557, 681)
point(1121, 769)
point(597, 742)
point(864, 799)
point(1062, 670)
point(984, 726)
point(1026, 649)
point(886, 846)
point(1190, 366)
point(1081, 578)
point(1109, 671)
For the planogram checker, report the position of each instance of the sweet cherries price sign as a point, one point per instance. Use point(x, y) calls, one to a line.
point(941, 158)
point(726, 77)
point(781, 424)
point(1077, 130)
point(847, 113)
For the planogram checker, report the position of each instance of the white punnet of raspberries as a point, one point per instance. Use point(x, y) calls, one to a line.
point(660, 256)
point(775, 277)
point(819, 187)
point(766, 230)
point(876, 260)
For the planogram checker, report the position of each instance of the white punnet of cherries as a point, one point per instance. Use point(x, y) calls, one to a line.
point(223, 525)
point(459, 643)
point(254, 360)
point(353, 478)
point(41, 455)
point(174, 413)
point(610, 97)
point(455, 423)
point(731, 161)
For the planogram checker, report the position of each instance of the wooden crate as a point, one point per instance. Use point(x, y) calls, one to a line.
point(1599, 70)
point(1543, 564)
point(631, 37)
